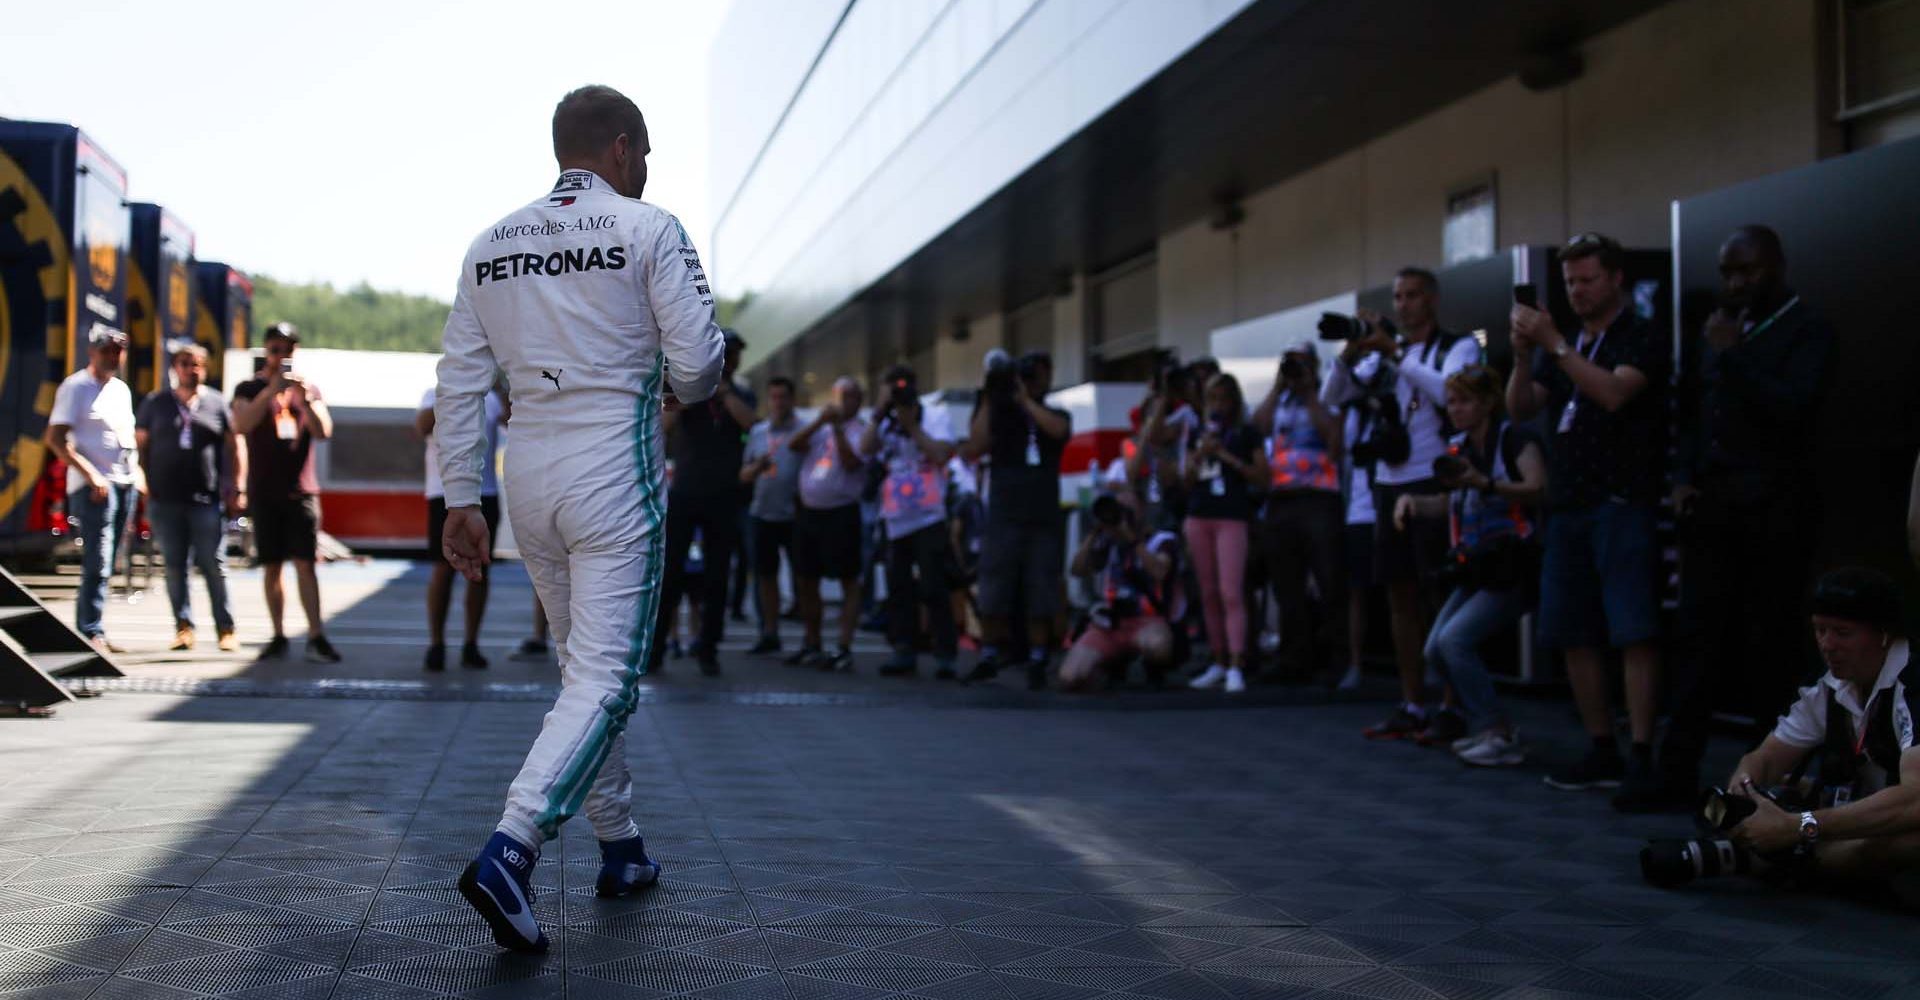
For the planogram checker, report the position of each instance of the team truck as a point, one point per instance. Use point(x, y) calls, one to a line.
point(64, 232)
point(224, 317)
point(160, 296)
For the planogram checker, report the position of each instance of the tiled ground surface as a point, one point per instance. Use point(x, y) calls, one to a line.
point(160, 847)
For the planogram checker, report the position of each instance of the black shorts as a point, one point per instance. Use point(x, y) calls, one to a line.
point(1359, 539)
point(770, 538)
point(826, 543)
point(1415, 552)
point(285, 528)
point(437, 524)
point(1024, 561)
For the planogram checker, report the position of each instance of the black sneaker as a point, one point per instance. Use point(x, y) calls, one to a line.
point(436, 657)
point(1598, 769)
point(900, 665)
point(530, 650)
point(841, 662)
point(275, 649)
point(1443, 727)
point(1036, 675)
point(984, 669)
point(767, 644)
point(709, 660)
point(1403, 724)
point(471, 659)
point(805, 656)
point(319, 650)
point(1647, 790)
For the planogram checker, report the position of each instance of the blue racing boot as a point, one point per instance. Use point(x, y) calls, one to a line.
point(499, 883)
point(624, 867)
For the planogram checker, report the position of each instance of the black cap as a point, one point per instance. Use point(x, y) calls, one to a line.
point(283, 331)
point(1858, 594)
point(899, 373)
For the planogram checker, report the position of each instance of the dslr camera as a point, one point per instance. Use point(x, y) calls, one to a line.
point(1334, 326)
point(1674, 862)
point(1001, 376)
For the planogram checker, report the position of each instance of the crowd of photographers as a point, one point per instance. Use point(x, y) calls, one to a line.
point(1243, 541)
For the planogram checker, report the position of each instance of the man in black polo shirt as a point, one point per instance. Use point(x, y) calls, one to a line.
point(195, 465)
point(1745, 500)
point(1603, 392)
point(708, 441)
point(1023, 555)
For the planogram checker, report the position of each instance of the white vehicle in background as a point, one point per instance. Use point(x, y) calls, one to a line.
point(373, 470)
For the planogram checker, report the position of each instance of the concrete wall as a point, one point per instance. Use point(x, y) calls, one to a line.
point(1672, 104)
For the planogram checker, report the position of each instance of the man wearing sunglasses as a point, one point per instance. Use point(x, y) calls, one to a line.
point(281, 416)
point(91, 429)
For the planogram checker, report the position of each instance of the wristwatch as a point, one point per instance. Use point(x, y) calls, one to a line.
point(1809, 828)
point(1560, 352)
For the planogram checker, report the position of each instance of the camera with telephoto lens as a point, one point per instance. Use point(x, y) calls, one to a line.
point(1000, 378)
point(1673, 862)
point(1334, 326)
point(1450, 467)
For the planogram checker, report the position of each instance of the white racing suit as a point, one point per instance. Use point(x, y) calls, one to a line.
point(587, 301)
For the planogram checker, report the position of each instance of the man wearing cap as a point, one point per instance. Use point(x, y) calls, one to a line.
point(91, 429)
point(1304, 518)
point(1860, 718)
point(708, 442)
point(282, 415)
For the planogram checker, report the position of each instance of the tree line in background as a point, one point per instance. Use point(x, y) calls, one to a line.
point(364, 318)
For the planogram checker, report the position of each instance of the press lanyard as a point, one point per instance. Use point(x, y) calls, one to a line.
point(1866, 723)
point(186, 423)
point(1573, 401)
point(1769, 321)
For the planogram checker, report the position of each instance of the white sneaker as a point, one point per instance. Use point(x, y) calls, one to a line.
point(1495, 750)
point(1465, 743)
point(1351, 679)
point(1236, 681)
point(1211, 679)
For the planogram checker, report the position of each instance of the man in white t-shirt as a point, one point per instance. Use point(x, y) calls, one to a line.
point(440, 585)
point(1424, 355)
point(914, 443)
point(91, 429)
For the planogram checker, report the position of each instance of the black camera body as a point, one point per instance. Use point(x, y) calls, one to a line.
point(1448, 468)
point(1334, 326)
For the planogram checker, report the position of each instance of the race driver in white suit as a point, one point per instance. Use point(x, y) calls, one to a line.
point(596, 307)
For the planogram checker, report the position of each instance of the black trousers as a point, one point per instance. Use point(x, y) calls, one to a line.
point(1744, 578)
point(1304, 535)
point(917, 576)
point(717, 518)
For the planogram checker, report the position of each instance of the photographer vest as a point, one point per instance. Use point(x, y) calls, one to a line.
point(1856, 764)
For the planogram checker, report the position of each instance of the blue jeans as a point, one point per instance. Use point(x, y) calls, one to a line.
point(1468, 619)
point(1599, 580)
point(196, 531)
point(100, 525)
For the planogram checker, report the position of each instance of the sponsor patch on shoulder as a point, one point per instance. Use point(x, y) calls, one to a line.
point(681, 230)
point(574, 180)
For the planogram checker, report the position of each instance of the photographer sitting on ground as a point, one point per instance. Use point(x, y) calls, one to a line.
point(1131, 576)
point(1497, 474)
point(1859, 822)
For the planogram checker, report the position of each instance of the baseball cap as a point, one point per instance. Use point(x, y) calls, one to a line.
point(102, 335)
point(1858, 594)
point(283, 331)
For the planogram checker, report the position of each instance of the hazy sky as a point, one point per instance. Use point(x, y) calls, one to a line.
point(357, 139)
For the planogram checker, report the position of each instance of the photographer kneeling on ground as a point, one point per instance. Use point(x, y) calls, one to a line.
point(1131, 575)
point(1858, 821)
point(1497, 474)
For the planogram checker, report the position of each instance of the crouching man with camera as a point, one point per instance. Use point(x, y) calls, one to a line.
point(1833, 793)
point(1131, 573)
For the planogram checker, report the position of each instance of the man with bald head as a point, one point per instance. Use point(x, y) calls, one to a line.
point(827, 528)
point(1744, 495)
